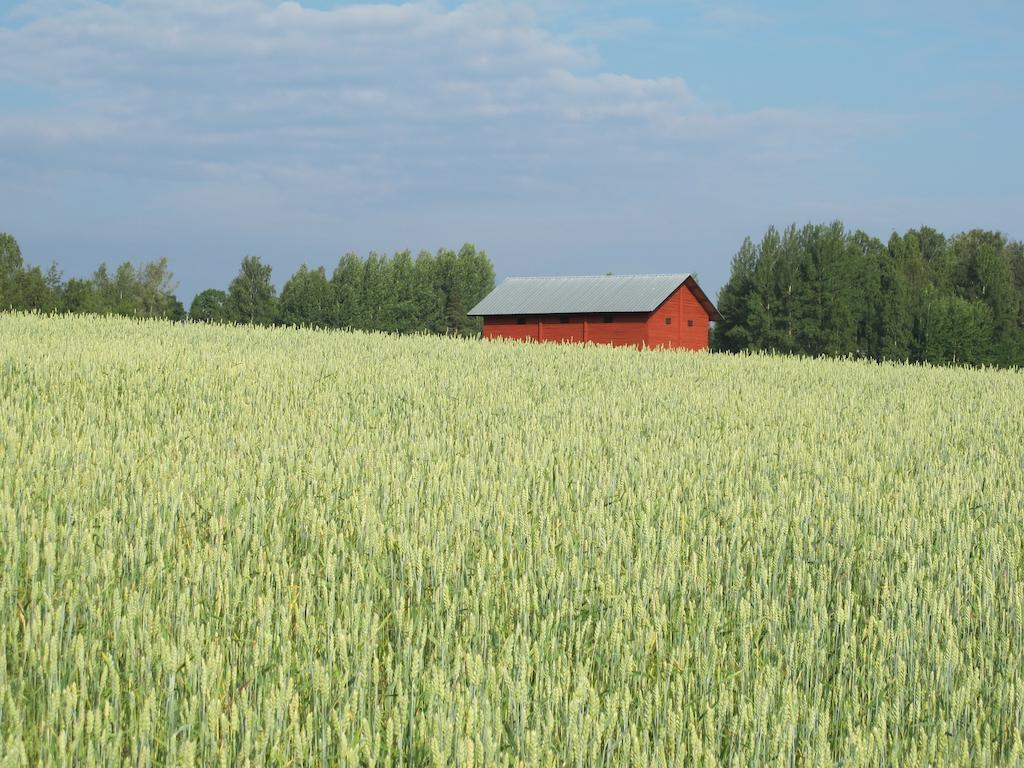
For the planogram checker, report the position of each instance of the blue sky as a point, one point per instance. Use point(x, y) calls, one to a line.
point(562, 137)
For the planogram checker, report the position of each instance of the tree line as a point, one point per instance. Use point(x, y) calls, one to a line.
point(145, 291)
point(815, 290)
point(430, 293)
point(921, 297)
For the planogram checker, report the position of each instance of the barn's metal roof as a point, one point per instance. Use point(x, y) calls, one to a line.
point(567, 295)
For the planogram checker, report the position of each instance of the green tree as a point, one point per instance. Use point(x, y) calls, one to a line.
point(10, 265)
point(10, 254)
point(347, 293)
point(375, 295)
point(143, 291)
point(251, 296)
point(922, 297)
point(307, 299)
point(733, 333)
point(26, 288)
point(124, 291)
point(781, 295)
point(402, 308)
point(981, 271)
point(427, 297)
point(1015, 257)
point(154, 289)
point(892, 312)
point(462, 279)
point(32, 291)
point(847, 272)
point(209, 306)
point(102, 290)
point(449, 287)
point(476, 275)
point(55, 279)
point(956, 330)
point(759, 310)
point(80, 296)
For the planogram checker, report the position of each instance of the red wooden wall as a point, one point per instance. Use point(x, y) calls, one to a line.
point(504, 327)
point(681, 308)
point(636, 329)
point(624, 330)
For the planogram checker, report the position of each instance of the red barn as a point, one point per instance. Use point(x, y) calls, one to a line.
point(669, 311)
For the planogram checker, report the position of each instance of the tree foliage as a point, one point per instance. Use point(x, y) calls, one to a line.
point(430, 293)
point(252, 298)
point(10, 268)
point(146, 290)
point(306, 298)
point(922, 297)
point(209, 306)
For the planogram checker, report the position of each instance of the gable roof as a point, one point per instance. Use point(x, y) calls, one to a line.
point(601, 293)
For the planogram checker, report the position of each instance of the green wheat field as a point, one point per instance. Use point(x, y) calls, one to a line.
point(236, 546)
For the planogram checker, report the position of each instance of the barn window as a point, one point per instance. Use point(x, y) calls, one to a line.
point(690, 323)
point(520, 321)
point(609, 318)
point(668, 321)
point(563, 318)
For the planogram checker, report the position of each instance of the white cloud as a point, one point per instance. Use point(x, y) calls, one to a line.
point(250, 120)
point(244, 81)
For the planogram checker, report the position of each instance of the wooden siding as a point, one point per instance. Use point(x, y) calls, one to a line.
point(623, 331)
point(682, 307)
point(553, 329)
point(509, 328)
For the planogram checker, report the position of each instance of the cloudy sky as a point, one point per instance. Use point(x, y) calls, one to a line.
point(562, 137)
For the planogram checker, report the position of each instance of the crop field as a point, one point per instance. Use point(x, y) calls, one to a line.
point(235, 546)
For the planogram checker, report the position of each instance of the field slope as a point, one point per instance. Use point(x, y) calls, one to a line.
point(242, 546)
